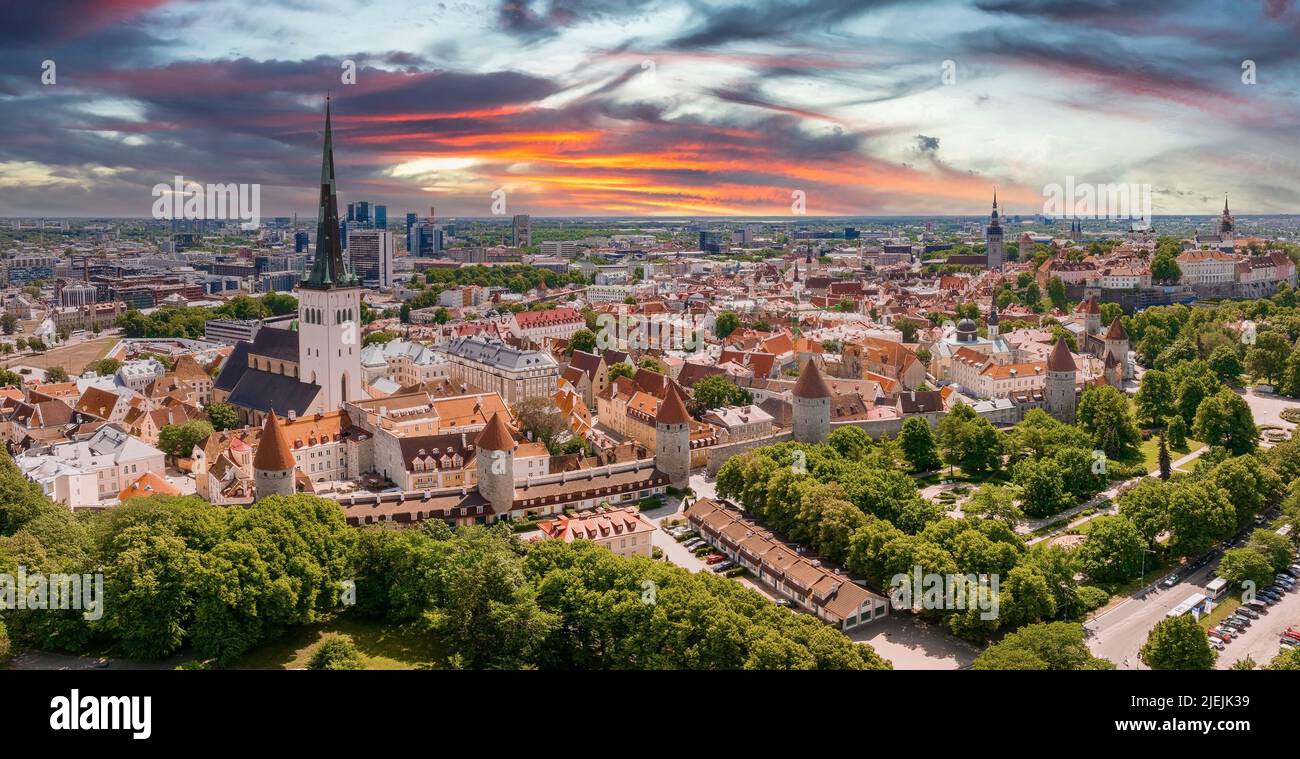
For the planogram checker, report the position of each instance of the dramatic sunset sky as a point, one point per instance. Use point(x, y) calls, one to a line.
point(665, 107)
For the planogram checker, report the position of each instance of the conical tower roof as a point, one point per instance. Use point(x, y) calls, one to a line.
point(1116, 331)
point(1060, 360)
point(496, 435)
point(672, 410)
point(273, 451)
point(811, 384)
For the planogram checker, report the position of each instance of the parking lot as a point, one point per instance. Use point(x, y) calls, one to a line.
point(1260, 641)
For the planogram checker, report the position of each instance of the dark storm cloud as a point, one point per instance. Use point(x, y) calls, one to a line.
point(755, 21)
point(541, 19)
point(926, 144)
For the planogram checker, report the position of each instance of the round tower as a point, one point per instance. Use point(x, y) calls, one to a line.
point(273, 465)
point(673, 438)
point(812, 406)
point(1058, 390)
point(496, 464)
point(1116, 342)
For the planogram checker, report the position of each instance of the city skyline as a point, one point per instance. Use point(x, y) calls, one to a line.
point(653, 108)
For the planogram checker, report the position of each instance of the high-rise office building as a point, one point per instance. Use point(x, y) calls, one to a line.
point(522, 232)
point(711, 242)
point(301, 241)
point(371, 251)
point(426, 239)
point(381, 217)
point(411, 220)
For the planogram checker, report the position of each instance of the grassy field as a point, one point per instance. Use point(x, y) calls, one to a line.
point(382, 646)
point(1225, 607)
point(73, 358)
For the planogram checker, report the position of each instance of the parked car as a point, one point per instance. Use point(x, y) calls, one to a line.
point(723, 566)
point(714, 558)
point(1239, 621)
point(1288, 642)
point(1170, 581)
point(1248, 612)
point(1258, 606)
point(1217, 644)
point(1223, 634)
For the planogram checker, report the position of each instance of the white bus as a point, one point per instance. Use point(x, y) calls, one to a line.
point(1196, 604)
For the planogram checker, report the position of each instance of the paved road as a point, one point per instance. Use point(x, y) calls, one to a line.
point(1119, 633)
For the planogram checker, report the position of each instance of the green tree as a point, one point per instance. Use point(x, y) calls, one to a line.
point(1225, 363)
point(1113, 551)
point(1177, 643)
point(1105, 415)
point(716, 391)
point(1146, 505)
point(378, 337)
point(336, 652)
point(1243, 565)
point(994, 502)
point(105, 367)
point(178, 440)
point(56, 374)
point(917, 441)
point(1043, 646)
point(1176, 431)
point(584, 340)
point(1199, 516)
point(1155, 397)
point(1164, 267)
point(223, 416)
point(10, 379)
point(726, 323)
point(1267, 358)
point(1224, 419)
point(9, 322)
point(1042, 488)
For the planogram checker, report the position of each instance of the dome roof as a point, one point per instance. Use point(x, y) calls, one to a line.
point(967, 331)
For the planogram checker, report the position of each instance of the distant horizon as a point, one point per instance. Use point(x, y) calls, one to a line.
point(759, 218)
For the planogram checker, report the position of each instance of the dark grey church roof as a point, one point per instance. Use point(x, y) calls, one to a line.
point(266, 391)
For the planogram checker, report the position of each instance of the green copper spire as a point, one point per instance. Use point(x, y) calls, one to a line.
point(328, 270)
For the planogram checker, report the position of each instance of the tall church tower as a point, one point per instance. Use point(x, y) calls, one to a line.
point(329, 303)
point(1227, 225)
point(993, 238)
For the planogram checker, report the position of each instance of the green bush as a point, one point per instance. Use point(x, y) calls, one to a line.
point(336, 652)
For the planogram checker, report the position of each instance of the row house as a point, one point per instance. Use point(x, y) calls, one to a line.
point(830, 596)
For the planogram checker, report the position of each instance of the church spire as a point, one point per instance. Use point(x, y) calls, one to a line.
point(327, 269)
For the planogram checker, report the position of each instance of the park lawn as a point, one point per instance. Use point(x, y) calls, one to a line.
point(1150, 451)
point(382, 646)
point(1220, 613)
